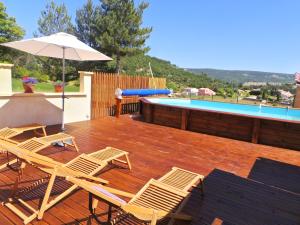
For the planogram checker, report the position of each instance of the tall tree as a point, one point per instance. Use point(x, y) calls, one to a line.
point(119, 31)
point(85, 23)
point(54, 18)
point(9, 31)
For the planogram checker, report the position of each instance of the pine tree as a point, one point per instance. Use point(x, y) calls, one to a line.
point(119, 31)
point(54, 19)
point(85, 23)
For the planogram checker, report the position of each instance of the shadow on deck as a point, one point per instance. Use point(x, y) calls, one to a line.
point(277, 174)
point(233, 200)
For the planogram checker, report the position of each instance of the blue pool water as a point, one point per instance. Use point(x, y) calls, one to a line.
point(252, 110)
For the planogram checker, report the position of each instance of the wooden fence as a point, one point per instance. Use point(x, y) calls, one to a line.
point(103, 92)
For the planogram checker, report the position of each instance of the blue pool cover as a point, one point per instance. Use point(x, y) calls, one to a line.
point(145, 92)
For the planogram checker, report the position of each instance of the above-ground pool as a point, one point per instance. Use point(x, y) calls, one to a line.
point(259, 124)
point(250, 110)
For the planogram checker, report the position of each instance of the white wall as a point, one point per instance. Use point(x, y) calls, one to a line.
point(5, 78)
point(17, 109)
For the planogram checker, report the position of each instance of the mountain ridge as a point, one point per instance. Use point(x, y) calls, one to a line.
point(177, 78)
point(242, 76)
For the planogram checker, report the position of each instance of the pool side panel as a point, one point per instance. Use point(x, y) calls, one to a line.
point(221, 125)
point(281, 134)
point(168, 116)
point(246, 128)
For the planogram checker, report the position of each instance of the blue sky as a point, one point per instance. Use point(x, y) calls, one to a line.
point(226, 34)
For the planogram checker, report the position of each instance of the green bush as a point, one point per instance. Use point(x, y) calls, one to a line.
point(39, 75)
point(173, 86)
point(20, 72)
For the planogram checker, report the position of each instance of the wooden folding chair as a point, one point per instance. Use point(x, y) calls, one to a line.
point(32, 145)
point(38, 144)
point(12, 132)
point(60, 137)
point(8, 132)
point(182, 179)
point(85, 165)
point(155, 201)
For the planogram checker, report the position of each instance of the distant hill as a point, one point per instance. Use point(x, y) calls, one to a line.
point(242, 76)
point(177, 78)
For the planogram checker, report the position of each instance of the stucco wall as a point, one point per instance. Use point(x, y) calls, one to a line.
point(17, 109)
point(5, 78)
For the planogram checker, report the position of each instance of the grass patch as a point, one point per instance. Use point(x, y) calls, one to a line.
point(17, 86)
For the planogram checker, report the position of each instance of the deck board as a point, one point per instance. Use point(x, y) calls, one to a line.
point(153, 151)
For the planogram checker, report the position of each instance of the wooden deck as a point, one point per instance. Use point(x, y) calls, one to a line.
point(271, 195)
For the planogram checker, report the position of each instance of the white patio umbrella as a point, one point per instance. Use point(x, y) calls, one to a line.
point(60, 45)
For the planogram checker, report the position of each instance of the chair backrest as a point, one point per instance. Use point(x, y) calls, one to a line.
point(33, 144)
point(180, 178)
point(85, 164)
point(27, 155)
point(8, 132)
point(107, 154)
point(158, 196)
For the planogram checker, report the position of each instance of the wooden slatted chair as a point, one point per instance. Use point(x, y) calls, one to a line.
point(60, 137)
point(154, 202)
point(84, 165)
point(8, 132)
point(32, 145)
point(38, 144)
point(37, 160)
point(182, 179)
point(12, 132)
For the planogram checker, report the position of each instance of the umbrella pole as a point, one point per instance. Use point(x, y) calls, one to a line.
point(63, 91)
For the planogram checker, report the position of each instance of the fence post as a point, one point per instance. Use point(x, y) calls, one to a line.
point(118, 107)
point(297, 98)
point(86, 88)
point(85, 81)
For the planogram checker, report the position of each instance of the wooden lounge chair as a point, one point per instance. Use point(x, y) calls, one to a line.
point(66, 139)
point(12, 132)
point(37, 144)
point(43, 163)
point(155, 201)
point(85, 166)
point(32, 145)
point(182, 179)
